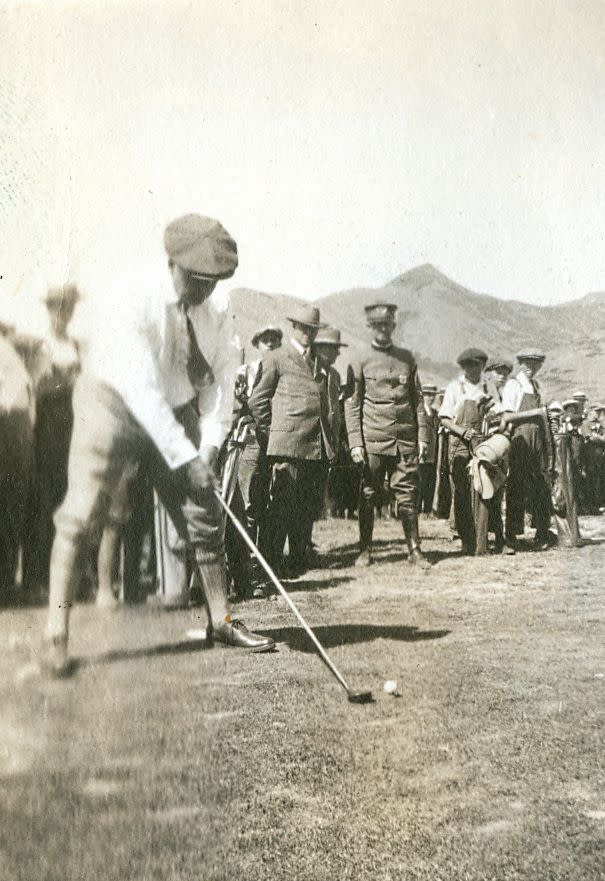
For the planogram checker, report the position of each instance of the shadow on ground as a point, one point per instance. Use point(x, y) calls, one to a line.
point(347, 634)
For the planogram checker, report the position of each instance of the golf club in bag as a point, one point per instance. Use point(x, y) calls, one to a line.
point(355, 697)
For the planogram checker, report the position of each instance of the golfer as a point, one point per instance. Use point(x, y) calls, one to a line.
point(157, 384)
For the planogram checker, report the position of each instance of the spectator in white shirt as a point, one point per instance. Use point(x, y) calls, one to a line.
point(148, 390)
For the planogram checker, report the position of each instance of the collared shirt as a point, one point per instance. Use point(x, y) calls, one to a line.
point(514, 390)
point(140, 348)
point(458, 391)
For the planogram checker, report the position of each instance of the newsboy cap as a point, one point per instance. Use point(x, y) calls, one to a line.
point(307, 315)
point(267, 328)
point(471, 354)
point(328, 336)
point(530, 354)
point(500, 364)
point(379, 311)
point(201, 246)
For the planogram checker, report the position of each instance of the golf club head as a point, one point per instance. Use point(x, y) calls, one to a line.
point(360, 697)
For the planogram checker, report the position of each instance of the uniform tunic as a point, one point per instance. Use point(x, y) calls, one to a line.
point(386, 416)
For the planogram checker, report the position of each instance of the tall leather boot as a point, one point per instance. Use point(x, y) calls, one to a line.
point(409, 521)
point(366, 530)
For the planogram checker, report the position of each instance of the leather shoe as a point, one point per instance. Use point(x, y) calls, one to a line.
point(364, 560)
point(54, 660)
point(416, 558)
point(235, 633)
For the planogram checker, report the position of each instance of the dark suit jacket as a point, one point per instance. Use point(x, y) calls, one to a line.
point(292, 407)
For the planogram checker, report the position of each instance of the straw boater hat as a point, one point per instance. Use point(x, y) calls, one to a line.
point(305, 315)
point(429, 389)
point(530, 354)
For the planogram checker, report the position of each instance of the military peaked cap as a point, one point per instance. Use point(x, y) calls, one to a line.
point(379, 311)
point(201, 246)
point(471, 355)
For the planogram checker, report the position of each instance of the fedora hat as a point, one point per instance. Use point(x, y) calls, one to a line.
point(328, 336)
point(306, 315)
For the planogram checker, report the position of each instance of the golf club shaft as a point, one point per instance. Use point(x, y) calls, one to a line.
point(282, 590)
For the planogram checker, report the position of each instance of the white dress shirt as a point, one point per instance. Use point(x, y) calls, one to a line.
point(458, 391)
point(514, 390)
point(140, 348)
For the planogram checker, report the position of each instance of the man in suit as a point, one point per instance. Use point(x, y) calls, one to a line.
point(386, 423)
point(289, 405)
point(158, 385)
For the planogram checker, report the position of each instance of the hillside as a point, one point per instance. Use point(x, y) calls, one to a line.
point(437, 318)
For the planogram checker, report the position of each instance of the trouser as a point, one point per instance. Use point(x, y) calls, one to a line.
point(427, 478)
point(15, 476)
point(463, 517)
point(402, 472)
point(106, 438)
point(528, 487)
point(297, 487)
point(254, 477)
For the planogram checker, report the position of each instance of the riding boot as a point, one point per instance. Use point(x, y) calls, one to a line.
point(409, 521)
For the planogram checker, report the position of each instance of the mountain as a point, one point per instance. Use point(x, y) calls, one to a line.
point(437, 318)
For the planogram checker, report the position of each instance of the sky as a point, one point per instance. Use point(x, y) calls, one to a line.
point(341, 143)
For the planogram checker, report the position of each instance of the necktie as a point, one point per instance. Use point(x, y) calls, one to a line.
point(198, 369)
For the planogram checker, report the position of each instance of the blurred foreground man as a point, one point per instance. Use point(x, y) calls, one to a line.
point(386, 424)
point(158, 385)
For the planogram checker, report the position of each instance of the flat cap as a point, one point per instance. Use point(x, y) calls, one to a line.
point(201, 246)
point(530, 354)
point(267, 328)
point(379, 311)
point(429, 389)
point(328, 336)
point(471, 355)
point(306, 315)
point(500, 364)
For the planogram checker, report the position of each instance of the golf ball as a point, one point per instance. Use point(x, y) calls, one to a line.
point(390, 686)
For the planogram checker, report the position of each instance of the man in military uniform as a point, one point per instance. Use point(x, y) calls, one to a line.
point(528, 486)
point(386, 424)
point(158, 385)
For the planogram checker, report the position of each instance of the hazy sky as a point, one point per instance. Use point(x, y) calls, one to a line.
point(340, 142)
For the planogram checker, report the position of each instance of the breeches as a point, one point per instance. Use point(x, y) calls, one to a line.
point(402, 471)
point(106, 442)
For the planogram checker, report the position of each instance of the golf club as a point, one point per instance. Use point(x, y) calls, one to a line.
point(355, 697)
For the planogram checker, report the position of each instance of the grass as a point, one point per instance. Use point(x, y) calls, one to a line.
point(161, 760)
